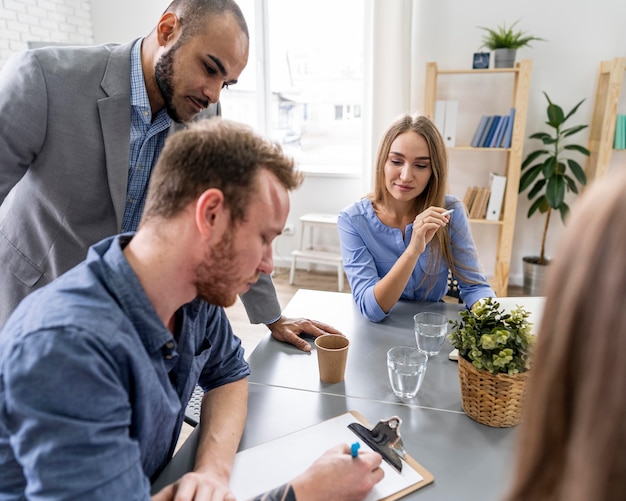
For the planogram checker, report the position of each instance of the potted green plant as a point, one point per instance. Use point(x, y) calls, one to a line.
point(505, 41)
point(550, 173)
point(494, 361)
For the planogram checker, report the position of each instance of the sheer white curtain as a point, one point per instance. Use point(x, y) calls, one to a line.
point(389, 72)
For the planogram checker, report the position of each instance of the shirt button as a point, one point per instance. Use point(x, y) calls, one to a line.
point(168, 357)
point(170, 345)
point(131, 200)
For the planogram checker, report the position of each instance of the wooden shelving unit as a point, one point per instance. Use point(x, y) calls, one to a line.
point(520, 91)
point(602, 128)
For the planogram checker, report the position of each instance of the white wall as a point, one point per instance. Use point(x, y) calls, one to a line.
point(124, 20)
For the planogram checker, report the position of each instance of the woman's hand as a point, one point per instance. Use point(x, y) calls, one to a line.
point(425, 225)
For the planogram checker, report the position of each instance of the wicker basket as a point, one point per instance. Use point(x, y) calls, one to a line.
point(492, 399)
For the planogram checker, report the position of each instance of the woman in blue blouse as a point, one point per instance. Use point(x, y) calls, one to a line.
point(398, 243)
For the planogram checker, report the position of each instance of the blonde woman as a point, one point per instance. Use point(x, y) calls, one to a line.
point(400, 241)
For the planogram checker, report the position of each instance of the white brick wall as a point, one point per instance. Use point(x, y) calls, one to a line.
point(58, 21)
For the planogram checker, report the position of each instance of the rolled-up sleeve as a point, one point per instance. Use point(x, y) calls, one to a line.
point(359, 266)
point(224, 362)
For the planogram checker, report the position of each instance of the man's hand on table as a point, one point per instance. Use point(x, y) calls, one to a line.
point(288, 330)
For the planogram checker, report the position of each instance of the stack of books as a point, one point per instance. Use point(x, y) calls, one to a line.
point(486, 203)
point(494, 131)
point(476, 200)
point(619, 143)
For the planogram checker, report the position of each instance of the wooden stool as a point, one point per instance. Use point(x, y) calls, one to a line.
point(312, 253)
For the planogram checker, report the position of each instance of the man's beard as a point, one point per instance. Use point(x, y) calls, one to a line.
point(164, 75)
point(214, 276)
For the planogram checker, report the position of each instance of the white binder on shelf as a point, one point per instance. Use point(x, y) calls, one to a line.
point(449, 126)
point(440, 116)
point(494, 207)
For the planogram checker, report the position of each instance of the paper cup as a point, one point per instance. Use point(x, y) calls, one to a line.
point(332, 354)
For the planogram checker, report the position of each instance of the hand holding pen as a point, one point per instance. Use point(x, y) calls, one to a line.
point(342, 472)
point(426, 224)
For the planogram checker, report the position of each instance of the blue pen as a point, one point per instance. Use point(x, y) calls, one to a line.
point(354, 449)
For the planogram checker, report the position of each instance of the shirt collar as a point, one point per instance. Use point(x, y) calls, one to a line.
point(127, 288)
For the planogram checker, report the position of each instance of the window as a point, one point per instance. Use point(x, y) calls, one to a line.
point(311, 63)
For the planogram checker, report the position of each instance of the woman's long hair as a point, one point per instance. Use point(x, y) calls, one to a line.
point(572, 442)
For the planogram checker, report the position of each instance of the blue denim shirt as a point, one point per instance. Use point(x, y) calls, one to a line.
point(93, 387)
point(370, 248)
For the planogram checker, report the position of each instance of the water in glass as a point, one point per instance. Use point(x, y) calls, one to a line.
point(406, 367)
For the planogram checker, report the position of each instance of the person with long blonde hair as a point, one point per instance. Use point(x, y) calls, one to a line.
point(399, 242)
point(572, 441)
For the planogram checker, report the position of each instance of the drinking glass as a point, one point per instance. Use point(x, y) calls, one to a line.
point(406, 367)
point(430, 331)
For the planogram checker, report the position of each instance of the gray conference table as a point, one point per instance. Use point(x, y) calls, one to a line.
point(279, 364)
point(469, 461)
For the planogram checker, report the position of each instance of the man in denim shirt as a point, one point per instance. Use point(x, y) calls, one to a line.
point(96, 368)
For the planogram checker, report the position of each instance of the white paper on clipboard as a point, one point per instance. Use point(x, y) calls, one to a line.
point(262, 468)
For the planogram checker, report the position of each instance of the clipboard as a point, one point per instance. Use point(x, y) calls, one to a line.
point(264, 467)
point(427, 477)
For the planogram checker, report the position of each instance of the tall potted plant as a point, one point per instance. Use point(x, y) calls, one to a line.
point(505, 41)
point(550, 174)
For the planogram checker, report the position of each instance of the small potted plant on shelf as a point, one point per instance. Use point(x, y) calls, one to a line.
point(494, 361)
point(550, 173)
point(505, 41)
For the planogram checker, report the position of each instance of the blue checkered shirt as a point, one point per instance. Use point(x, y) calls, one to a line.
point(147, 138)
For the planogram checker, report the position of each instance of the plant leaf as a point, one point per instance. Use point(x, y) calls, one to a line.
point(529, 176)
point(555, 192)
point(573, 110)
point(578, 171)
point(555, 115)
point(549, 140)
point(571, 184)
point(549, 167)
point(564, 211)
point(539, 135)
point(536, 189)
point(532, 156)
point(578, 148)
point(573, 130)
point(540, 204)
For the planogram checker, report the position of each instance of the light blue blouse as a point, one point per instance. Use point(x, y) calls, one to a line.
point(370, 248)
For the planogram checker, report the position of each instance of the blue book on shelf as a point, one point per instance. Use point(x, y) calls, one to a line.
point(483, 136)
point(500, 132)
point(479, 131)
point(492, 131)
point(509, 130)
point(494, 140)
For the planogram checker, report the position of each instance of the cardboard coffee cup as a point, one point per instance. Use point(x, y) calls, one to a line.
point(332, 354)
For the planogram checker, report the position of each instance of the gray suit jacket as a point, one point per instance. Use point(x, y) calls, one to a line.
point(64, 148)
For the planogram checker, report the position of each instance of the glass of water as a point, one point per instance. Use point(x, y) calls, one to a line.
point(430, 331)
point(406, 367)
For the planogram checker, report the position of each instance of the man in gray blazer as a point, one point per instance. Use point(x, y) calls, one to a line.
point(81, 128)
